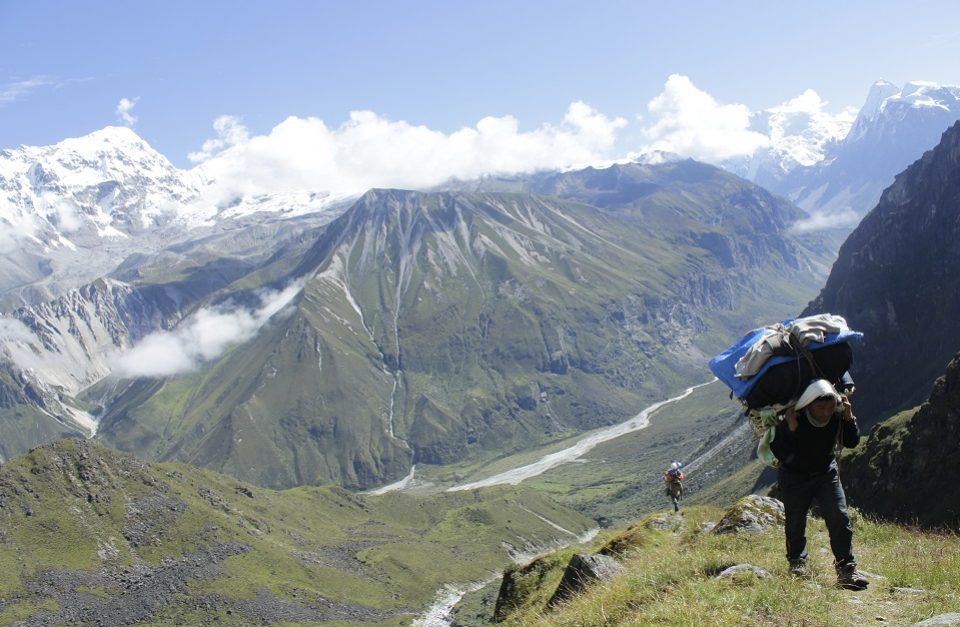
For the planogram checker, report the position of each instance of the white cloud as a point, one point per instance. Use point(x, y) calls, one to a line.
point(371, 151)
point(802, 128)
point(201, 338)
point(230, 132)
point(14, 91)
point(691, 123)
point(68, 218)
point(124, 109)
point(63, 212)
point(821, 220)
point(19, 344)
point(13, 329)
point(9, 237)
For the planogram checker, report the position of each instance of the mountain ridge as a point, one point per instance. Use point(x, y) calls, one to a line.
point(470, 322)
point(899, 471)
point(76, 209)
point(893, 128)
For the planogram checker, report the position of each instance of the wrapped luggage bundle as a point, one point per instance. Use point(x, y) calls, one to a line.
point(770, 366)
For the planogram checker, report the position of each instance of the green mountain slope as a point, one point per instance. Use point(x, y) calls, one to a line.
point(89, 535)
point(433, 328)
point(23, 422)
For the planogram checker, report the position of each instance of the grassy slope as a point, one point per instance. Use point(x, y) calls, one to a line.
point(74, 509)
point(669, 580)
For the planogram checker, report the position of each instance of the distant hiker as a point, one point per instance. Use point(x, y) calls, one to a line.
point(673, 484)
point(819, 424)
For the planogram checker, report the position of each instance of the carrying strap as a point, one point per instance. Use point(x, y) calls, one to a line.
point(837, 444)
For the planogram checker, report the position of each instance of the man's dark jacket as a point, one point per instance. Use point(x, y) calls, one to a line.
point(810, 450)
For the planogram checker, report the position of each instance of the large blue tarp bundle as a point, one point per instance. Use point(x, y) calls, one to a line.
point(783, 377)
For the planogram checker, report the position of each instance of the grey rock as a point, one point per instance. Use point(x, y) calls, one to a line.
point(663, 523)
point(939, 621)
point(751, 514)
point(908, 591)
point(583, 569)
point(733, 571)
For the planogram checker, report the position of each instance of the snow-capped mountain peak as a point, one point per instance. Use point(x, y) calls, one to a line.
point(886, 100)
point(109, 183)
point(800, 131)
point(71, 211)
point(110, 154)
point(895, 126)
point(879, 92)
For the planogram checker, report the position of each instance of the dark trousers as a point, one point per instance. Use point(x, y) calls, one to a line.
point(798, 492)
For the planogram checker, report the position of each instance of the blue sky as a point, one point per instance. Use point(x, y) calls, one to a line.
point(65, 67)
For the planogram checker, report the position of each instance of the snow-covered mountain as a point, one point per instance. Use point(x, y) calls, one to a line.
point(71, 212)
point(800, 132)
point(837, 173)
point(893, 129)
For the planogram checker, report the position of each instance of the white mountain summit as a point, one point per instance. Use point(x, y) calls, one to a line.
point(107, 184)
point(888, 105)
point(71, 212)
point(800, 132)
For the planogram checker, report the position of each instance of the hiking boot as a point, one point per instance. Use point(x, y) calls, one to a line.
point(848, 578)
point(798, 568)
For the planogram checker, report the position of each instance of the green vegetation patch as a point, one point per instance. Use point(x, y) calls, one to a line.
point(22, 610)
point(243, 546)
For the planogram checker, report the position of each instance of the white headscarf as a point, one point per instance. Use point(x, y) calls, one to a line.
point(817, 389)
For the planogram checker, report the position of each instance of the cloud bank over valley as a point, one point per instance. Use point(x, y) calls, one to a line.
point(201, 338)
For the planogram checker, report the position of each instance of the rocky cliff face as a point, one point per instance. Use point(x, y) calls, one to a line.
point(51, 351)
point(68, 341)
point(908, 468)
point(896, 281)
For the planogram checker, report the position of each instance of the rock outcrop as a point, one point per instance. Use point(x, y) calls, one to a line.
point(908, 469)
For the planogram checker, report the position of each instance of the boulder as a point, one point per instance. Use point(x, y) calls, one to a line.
point(583, 569)
point(734, 571)
point(751, 514)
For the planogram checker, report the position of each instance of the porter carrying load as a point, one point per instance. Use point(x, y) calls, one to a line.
point(770, 366)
